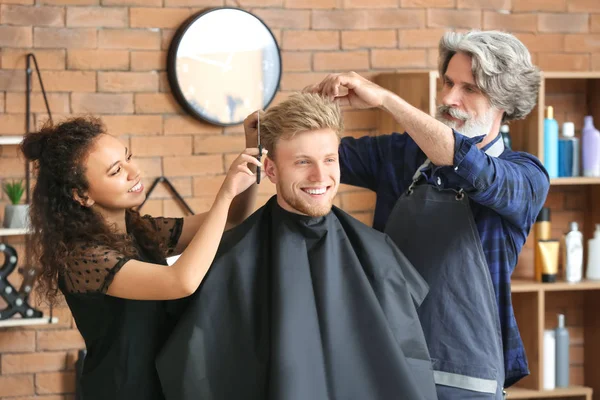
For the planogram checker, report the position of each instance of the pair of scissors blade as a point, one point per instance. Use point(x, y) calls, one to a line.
point(259, 147)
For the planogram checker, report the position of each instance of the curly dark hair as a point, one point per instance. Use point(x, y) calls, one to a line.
point(58, 221)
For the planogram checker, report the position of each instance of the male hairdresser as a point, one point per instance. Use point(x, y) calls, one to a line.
point(457, 202)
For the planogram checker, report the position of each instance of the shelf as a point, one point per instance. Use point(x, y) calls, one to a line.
point(580, 180)
point(14, 322)
point(13, 232)
point(521, 286)
point(7, 140)
point(518, 393)
point(571, 75)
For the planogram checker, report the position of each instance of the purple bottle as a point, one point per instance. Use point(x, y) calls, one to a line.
point(590, 143)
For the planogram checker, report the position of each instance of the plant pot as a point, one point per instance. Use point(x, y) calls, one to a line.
point(16, 216)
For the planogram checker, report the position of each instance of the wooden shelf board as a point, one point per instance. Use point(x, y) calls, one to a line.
point(580, 180)
point(15, 322)
point(519, 393)
point(571, 75)
point(8, 140)
point(520, 286)
point(13, 232)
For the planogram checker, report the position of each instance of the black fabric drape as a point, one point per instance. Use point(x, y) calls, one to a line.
point(301, 308)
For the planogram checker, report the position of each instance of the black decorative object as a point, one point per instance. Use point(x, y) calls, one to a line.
point(173, 191)
point(16, 300)
point(223, 64)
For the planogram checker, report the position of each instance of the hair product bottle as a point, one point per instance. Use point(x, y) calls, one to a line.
point(568, 152)
point(590, 143)
point(549, 377)
point(541, 231)
point(548, 251)
point(505, 132)
point(562, 353)
point(593, 266)
point(573, 254)
point(551, 143)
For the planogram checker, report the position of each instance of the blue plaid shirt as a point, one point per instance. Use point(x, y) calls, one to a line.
point(506, 194)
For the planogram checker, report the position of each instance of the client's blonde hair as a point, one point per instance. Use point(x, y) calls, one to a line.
point(299, 113)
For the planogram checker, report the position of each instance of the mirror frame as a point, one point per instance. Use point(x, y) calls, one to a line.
point(172, 66)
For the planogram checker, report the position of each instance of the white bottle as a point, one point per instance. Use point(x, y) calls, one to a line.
point(549, 360)
point(573, 254)
point(593, 266)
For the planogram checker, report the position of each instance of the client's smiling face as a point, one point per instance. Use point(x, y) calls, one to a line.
point(306, 172)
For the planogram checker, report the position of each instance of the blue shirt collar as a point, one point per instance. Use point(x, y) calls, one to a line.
point(495, 147)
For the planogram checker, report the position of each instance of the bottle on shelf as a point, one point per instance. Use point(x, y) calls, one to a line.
point(546, 249)
point(590, 144)
point(573, 254)
point(549, 345)
point(561, 335)
point(505, 132)
point(541, 231)
point(568, 152)
point(551, 143)
point(593, 265)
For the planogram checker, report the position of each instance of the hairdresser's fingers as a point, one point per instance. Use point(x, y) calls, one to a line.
point(244, 169)
point(248, 159)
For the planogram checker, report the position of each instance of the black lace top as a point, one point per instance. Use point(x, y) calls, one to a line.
point(122, 336)
point(95, 266)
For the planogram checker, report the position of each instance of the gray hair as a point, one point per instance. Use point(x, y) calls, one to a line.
point(501, 66)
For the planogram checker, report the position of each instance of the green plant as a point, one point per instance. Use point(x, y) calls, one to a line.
point(14, 191)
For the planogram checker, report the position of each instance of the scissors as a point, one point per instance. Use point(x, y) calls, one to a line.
point(259, 147)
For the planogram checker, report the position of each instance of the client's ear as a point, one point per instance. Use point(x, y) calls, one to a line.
point(83, 199)
point(270, 169)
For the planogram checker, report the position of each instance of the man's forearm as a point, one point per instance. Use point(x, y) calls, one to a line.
point(433, 137)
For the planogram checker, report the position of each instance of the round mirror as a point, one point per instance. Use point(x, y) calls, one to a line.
point(224, 64)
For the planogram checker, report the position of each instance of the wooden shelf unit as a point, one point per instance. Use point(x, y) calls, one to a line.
point(536, 307)
point(579, 180)
point(573, 95)
point(13, 232)
point(574, 392)
point(525, 286)
point(10, 140)
point(20, 322)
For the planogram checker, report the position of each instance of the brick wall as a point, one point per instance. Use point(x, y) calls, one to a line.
point(107, 57)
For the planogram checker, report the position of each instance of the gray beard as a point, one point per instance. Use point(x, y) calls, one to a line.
point(471, 127)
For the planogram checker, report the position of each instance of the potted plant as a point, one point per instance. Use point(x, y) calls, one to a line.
point(15, 214)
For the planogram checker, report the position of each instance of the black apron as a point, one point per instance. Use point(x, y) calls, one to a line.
point(300, 308)
point(436, 231)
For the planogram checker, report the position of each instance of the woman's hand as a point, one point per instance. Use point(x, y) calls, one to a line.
point(240, 177)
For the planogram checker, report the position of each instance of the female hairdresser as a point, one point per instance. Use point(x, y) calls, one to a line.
point(107, 260)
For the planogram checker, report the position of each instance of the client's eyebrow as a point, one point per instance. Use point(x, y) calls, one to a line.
point(118, 161)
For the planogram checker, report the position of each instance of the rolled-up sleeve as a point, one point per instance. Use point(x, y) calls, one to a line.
point(514, 185)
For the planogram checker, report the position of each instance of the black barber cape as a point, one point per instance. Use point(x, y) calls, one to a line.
point(301, 308)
